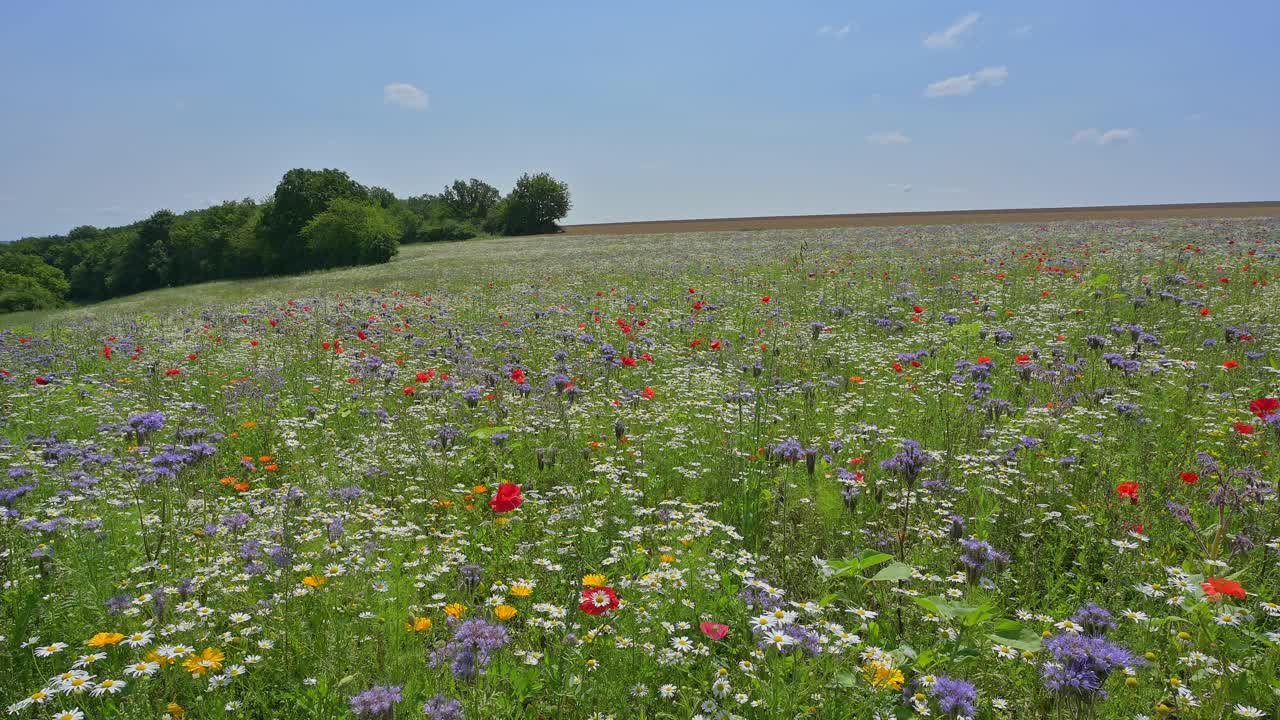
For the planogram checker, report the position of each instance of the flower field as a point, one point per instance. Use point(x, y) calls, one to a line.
point(986, 471)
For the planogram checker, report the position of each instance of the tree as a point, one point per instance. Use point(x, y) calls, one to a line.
point(145, 258)
point(532, 207)
point(47, 276)
point(300, 197)
point(20, 292)
point(470, 200)
point(351, 232)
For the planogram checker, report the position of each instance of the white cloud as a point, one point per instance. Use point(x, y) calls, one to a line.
point(1086, 135)
point(836, 31)
point(950, 37)
point(1105, 137)
point(892, 137)
point(404, 95)
point(900, 186)
point(1117, 135)
point(967, 83)
point(992, 75)
point(1021, 31)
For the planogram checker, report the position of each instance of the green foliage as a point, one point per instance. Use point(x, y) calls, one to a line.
point(23, 292)
point(470, 200)
point(300, 197)
point(532, 207)
point(247, 238)
point(32, 266)
point(351, 232)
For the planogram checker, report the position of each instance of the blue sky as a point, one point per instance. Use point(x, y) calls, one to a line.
point(655, 110)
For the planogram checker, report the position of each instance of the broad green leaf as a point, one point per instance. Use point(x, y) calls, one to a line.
point(894, 571)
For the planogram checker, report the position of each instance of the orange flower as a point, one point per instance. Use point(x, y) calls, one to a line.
point(314, 581)
point(242, 486)
point(208, 659)
point(227, 480)
point(271, 468)
point(418, 624)
point(265, 459)
point(105, 638)
point(250, 424)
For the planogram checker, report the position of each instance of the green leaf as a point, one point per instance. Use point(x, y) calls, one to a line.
point(894, 571)
point(486, 433)
point(1013, 634)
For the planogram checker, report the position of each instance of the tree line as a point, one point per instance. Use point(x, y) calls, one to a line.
point(315, 219)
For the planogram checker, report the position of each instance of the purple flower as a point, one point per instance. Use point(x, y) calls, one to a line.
point(977, 555)
point(377, 703)
point(471, 648)
point(955, 697)
point(1095, 619)
point(442, 708)
point(909, 462)
point(1081, 664)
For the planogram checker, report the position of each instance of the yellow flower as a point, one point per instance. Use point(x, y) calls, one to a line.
point(162, 661)
point(314, 581)
point(667, 558)
point(209, 659)
point(883, 676)
point(418, 624)
point(105, 638)
point(175, 710)
point(594, 580)
point(504, 612)
point(455, 609)
point(479, 489)
point(521, 590)
point(501, 520)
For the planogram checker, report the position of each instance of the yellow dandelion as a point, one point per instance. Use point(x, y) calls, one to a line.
point(504, 612)
point(521, 590)
point(594, 580)
point(455, 610)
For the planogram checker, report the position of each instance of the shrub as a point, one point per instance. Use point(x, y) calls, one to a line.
point(350, 232)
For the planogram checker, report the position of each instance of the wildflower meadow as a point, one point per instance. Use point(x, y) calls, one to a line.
point(986, 471)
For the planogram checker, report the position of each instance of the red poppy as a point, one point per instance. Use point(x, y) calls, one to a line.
point(517, 376)
point(192, 356)
point(1204, 312)
point(1216, 587)
point(507, 498)
point(628, 361)
point(1243, 428)
point(1189, 478)
point(715, 631)
point(766, 299)
point(649, 393)
point(106, 352)
point(1023, 359)
point(41, 381)
point(422, 377)
point(408, 390)
point(1128, 490)
point(1228, 364)
point(1265, 407)
point(598, 600)
point(984, 360)
point(172, 371)
point(715, 345)
point(646, 357)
